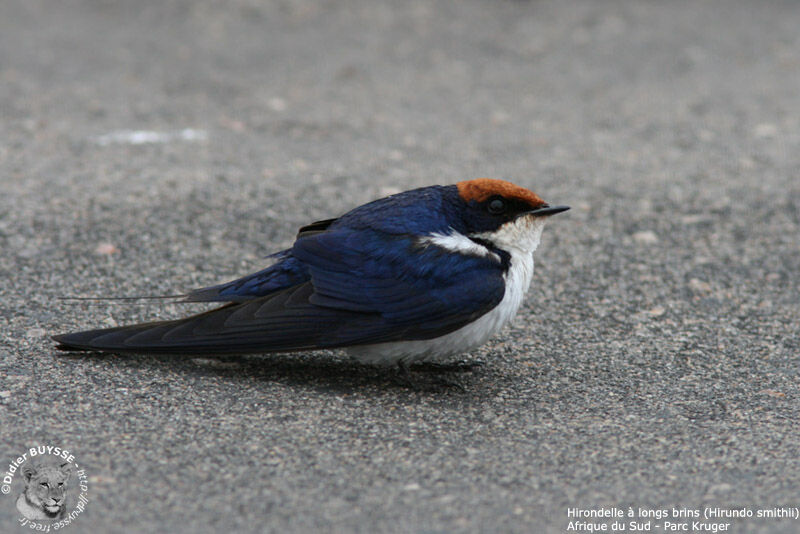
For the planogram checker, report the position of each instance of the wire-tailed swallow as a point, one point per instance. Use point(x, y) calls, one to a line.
point(417, 276)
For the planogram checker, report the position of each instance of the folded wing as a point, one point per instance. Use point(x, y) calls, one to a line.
point(355, 287)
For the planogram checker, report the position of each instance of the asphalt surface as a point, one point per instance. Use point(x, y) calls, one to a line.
point(148, 148)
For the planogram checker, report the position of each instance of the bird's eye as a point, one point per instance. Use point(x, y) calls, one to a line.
point(496, 206)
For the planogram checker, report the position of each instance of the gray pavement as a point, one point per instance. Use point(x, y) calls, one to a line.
point(153, 147)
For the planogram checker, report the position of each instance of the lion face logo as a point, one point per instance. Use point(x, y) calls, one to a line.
point(45, 494)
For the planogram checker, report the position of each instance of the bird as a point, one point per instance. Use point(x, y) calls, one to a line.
point(418, 276)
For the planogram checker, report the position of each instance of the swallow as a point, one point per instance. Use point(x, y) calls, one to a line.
point(422, 275)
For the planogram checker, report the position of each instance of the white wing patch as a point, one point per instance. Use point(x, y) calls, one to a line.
point(458, 243)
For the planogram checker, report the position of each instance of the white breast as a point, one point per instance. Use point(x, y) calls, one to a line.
point(519, 238)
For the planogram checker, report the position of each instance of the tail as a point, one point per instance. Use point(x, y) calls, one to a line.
point(161, 337)
point(141, 338)
point(279, 323)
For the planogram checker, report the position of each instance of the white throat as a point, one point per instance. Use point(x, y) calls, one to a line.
point(519, 237)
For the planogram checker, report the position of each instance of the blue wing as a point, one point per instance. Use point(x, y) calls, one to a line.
point(412, 291)
point(285, 273)
point(356, 287)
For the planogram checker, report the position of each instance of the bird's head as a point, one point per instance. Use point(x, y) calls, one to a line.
point(508, 216)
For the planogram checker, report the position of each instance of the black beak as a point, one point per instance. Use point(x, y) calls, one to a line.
point(546, 211)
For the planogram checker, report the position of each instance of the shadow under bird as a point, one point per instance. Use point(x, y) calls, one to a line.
point(422, 275)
